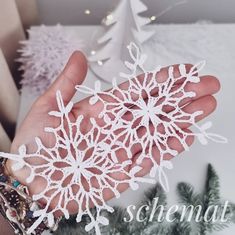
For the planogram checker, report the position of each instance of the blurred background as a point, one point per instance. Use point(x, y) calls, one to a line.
point(188, 11)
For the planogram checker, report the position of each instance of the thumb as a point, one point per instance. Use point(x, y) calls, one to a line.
point(73, 74)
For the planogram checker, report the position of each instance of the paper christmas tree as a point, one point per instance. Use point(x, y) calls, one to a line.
point(124, 26)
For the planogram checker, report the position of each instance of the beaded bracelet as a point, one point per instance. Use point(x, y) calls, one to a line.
point(17, 206)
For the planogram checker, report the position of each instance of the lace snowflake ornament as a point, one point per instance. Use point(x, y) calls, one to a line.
point(82, 166)
point(44, 55)
point(87, 169)
point(152, 121)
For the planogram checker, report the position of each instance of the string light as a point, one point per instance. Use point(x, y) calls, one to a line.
point(153, 18)
point(93, 52)
point(99, 62)
point(87, 12)
point(109, 17)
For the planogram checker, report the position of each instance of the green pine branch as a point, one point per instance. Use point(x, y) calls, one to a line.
point(117, 225)
point(212, 188)
point(71, 227)
point(210, 197)
point(152, 227)
point(187, 196)
point(180, 227)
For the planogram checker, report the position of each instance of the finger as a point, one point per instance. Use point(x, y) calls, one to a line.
point(160, 76)
point(147, 163)
point(208, 85)
point(206, 104)
point(73, 74)
point(174, 143)
point(117, 97)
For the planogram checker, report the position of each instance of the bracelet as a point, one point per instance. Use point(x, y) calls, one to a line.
point(17, 206)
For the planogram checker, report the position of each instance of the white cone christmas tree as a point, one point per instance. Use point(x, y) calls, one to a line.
point(125, 26)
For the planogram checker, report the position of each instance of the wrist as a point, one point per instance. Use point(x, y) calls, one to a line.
point(15, 203)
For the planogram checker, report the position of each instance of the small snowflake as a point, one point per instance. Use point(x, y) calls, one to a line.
point(44, 56)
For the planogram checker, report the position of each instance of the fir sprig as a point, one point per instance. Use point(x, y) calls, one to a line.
point(187, 196)
point(210, 197)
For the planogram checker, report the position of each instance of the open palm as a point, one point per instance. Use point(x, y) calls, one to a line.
point(74, 74)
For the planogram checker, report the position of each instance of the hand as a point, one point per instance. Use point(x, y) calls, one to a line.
point(74, 74)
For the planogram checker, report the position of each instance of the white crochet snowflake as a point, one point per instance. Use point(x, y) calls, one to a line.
point(79, 168)
point(44, 55)
point(82, 166)
point(151, 122)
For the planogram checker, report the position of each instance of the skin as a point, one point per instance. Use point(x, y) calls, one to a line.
point(75, 73)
